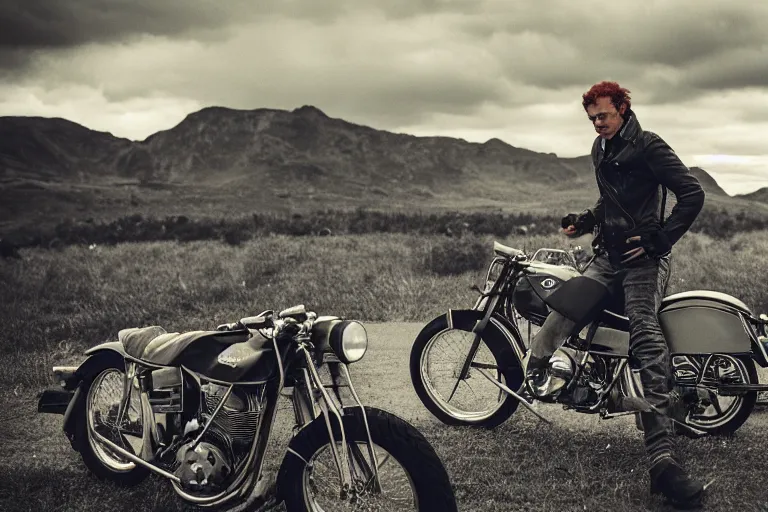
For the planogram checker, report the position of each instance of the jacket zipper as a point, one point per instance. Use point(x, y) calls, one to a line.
point(610, 189)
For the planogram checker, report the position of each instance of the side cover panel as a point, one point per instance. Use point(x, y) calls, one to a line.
point(690, 327)
point(703, 328)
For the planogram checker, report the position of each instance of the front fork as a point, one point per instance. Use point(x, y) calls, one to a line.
point(312, 399)
point(477, 330)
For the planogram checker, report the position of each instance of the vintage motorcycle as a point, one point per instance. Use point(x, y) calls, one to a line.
point(466, 365)
point(198, 408)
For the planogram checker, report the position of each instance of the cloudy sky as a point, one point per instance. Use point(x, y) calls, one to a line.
point(476, 69)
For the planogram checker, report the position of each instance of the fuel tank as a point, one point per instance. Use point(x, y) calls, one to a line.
point(252, 360)
point(534, 288)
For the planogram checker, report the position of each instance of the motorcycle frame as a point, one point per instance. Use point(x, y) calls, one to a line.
point(497, 299)
point(307, 407)
point(244, 482)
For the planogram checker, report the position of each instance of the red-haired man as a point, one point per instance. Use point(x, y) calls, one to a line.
point(633, 246)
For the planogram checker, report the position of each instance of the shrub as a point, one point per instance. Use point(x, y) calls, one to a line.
point(235, 236)
point(719, 224)
point(456, 256)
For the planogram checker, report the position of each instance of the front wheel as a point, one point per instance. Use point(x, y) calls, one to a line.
point(437, 358)
point(410, 473)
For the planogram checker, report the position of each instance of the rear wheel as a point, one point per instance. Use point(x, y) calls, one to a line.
point(411, 476)
point(710, 410)
point(437, 357)
point(100, 413)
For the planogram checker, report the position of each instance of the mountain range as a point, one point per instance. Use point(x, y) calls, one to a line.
point(221, 161)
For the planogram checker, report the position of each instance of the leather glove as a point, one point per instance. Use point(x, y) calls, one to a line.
point(653, 239)
point(584, 222)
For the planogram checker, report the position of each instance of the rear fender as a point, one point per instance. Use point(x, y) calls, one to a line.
point(112, 346)
point(98, 357)
point(701, 326)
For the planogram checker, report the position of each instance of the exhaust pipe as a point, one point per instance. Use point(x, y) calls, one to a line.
point(740, 389)
point(133, 458)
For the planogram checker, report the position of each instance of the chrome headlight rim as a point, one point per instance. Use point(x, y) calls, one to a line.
point(349, 341)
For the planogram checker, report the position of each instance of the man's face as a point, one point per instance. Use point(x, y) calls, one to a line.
point(604, 116)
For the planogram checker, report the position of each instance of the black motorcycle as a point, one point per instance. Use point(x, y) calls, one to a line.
point(466, 364)
point(198, 408)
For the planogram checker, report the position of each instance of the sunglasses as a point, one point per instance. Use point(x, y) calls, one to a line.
point(602, 116)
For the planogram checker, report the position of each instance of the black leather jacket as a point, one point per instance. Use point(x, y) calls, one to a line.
point(630, 180)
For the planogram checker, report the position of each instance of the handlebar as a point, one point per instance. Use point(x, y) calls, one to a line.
point(293, 316)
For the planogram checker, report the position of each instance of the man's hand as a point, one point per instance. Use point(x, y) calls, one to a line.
point(650, 241)
point(635, 253)
point(578, 224)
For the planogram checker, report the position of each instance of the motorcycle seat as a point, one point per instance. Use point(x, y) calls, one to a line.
point(156, 345)
point(718, 297)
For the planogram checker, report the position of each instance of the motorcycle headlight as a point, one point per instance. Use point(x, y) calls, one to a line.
point(349, 341)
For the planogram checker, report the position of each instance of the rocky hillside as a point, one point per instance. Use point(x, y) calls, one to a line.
point(219, 159)
point(224, 145)
point(760, 195)
point(708, 183)
point(56, 149)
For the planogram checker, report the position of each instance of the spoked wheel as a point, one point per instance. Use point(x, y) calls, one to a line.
point(122, 426)
point(322, 484)
point(437, 360)
point(411, 477)
point(711, 411)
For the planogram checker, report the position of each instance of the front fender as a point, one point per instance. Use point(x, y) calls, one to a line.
point(498, 326)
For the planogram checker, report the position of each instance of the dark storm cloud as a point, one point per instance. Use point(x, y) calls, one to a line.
point(53, 24)
point(46, 23)
point(680, 49)
point(669, 51)
point(741, 67)
point(28, 26)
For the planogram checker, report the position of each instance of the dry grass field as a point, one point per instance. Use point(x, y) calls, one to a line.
point(57, 303)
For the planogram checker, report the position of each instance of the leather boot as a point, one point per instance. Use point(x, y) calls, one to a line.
point(536, 370)
point(670, 479)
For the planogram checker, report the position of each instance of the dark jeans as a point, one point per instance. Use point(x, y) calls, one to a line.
point(644, 285)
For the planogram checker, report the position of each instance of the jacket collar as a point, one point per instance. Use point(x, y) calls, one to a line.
point(629, 132)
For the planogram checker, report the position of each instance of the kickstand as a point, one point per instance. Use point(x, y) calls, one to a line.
point(515, 395)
